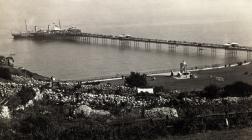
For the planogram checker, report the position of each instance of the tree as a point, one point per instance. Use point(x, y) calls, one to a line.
point(26, 94)
point(158, 89)
point(211, 91)
point(5, 129)
point(135, 79)
point(2, 60)
point(5, 73)
point(6, 60)
point(238, 89)
point(39, 126)
point(9, 61)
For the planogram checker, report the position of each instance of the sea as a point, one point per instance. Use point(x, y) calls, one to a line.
point(207, 21)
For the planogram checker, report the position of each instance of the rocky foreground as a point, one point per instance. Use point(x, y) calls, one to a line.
point(35, 107)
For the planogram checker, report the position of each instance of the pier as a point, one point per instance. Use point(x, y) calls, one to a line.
point(130, 41)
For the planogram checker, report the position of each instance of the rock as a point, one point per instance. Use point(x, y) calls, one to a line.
point(20, 107)
point(168, 112)
point(100, 113)
point(5, 112)
point(38, 95)
point(29, 103)
point(83, 110)
point(89, 112)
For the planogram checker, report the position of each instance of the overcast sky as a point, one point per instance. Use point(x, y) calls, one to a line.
point(125, 11)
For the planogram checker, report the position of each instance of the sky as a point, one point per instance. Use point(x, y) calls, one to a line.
point(123, 11)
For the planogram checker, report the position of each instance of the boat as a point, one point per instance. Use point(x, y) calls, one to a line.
point(56, 31)
point(22, 35)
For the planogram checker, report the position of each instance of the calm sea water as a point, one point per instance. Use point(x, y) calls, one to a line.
point(202, 21)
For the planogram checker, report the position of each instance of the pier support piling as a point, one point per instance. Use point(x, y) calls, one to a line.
point(186, 50)
point(199, 50)
point(172, 47)
point(104, 41)
point(147, 45)
point(213, 51)
point(96, 40)
point(113, 42)
point(248, 55)
point(158, 45)
point(230, 53)
point(136, 44)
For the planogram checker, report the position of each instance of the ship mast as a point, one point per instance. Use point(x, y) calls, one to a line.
point(48, 28)
point(26, 26)
point(59, 24)
point(35, 29)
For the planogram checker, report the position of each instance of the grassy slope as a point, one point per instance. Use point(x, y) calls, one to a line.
point(230, 75)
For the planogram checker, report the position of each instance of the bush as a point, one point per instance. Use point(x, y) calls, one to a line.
point(238, 89)
point(158, 89)
point(136, 80)
point(211, 92)
point(5, 73)
point(14, 102)
point(5, 130)
point(37, 126)
point(26, 94)
point(239, 63)
point(2, 60)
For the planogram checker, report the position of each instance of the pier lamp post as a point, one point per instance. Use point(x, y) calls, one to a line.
point(48, 28)
point(35, 28)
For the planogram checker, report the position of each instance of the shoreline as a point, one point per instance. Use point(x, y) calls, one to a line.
point(161, 72)
point(203, 69)
point(217, 74)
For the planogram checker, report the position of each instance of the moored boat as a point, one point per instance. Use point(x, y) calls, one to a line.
point(22, 35)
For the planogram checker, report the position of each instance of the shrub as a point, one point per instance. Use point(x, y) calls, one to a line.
point(239, 63)
point(14, 101)
point(238, 89)
point(38, 126)
point(5, 131)
point(158, 89)
point(5, 73)
point(211, 92)
point(26, 94)
point(2, 60)
point(135, 79)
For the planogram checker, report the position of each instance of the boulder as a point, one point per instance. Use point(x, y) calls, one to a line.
point(5, 112)
point(162, 112)
point(97, 113)
point(83, 110)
